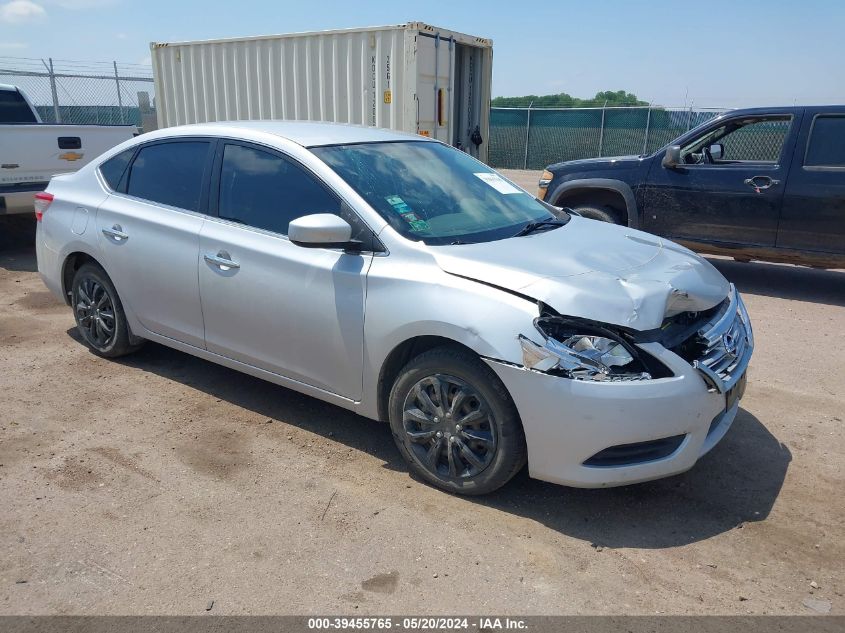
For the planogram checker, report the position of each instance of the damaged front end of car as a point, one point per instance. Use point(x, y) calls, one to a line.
point(585, 350)
point(717, 342)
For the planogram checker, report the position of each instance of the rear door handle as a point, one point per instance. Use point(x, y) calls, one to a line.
point(116, 233)
point(222, 260)
point(761, 182)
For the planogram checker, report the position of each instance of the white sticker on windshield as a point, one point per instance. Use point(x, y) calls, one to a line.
point(497, 182)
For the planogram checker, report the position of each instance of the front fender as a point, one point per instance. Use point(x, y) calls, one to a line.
point(406, 304)
point(607, 184)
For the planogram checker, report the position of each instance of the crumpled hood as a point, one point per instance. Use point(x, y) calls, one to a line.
point(594, 270)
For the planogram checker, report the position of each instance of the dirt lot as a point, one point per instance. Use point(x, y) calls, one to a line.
point(161, 482)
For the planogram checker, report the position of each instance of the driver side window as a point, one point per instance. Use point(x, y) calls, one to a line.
point(738, 141)
point(266, 191)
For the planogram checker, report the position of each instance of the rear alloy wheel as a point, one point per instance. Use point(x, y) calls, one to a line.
point(98, 312)
point(455, 423)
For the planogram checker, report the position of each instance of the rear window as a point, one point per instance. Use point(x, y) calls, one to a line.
point(169, 173)
point(112, 170)
point(827, 142)
point(14, 108)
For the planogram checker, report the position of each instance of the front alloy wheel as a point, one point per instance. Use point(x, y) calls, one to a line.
point(455, 423)
point(449, 426)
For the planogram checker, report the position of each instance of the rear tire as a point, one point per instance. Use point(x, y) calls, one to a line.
point(455, 423)
point(605, 214)
point(99, 315)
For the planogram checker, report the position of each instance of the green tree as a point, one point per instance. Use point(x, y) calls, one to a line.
point(564, 100)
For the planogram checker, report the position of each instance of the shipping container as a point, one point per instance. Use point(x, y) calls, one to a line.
point(409, 77)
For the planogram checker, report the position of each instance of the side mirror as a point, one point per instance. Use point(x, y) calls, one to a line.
point(672, 158)
point(717, 151)
point(320, 230)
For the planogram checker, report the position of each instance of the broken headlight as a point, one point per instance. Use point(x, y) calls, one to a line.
point(582, 351)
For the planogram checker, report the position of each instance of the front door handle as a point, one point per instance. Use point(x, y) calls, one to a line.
point(116, 233)
point(222, 260)
point(761, 182)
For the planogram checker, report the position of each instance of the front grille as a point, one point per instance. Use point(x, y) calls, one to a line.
point(724, 344)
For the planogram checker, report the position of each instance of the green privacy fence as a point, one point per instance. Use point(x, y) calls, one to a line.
point(530, 138)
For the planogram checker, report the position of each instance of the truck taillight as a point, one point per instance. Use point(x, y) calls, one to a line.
point(42, 202)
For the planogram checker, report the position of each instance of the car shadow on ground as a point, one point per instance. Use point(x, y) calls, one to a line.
point(18, 261)
point(783, 281)
point(17, 243)
point(737, 482)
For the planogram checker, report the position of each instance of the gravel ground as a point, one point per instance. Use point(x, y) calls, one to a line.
point(160, 482)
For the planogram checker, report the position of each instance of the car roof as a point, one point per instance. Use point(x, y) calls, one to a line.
point(304, 133)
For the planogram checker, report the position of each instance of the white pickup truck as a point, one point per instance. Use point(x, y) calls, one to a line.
point(32, 152)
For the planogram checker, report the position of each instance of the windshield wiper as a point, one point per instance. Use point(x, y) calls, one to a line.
point(531, 227)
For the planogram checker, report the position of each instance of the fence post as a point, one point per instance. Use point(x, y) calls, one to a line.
point(689, 118)
point(527, 136)
point(56, 112)
point(601, 132)
point(647, 126)
point(119, 98)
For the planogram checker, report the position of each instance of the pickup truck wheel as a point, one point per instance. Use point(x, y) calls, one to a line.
point(605, 214)
point(99, 314)
point(455, 423)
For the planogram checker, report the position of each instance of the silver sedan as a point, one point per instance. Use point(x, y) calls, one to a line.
point(400, 278)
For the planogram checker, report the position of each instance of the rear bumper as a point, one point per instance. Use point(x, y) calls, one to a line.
point(567, 422)
point(49, 265)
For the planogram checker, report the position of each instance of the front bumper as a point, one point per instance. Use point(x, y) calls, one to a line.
point(567, 422)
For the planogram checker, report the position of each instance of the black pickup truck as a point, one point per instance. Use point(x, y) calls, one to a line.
point(763, 183)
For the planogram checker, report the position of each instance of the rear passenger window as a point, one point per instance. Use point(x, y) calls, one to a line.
point(14, 108)
point(112, 170)
point(827, 142)
point(266, 191)
point(169, 173)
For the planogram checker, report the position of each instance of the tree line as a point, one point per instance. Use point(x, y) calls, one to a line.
point(564, 100)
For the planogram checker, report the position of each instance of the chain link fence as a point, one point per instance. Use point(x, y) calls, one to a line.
point(108, 93)
point(530, 138)
point(103, 93)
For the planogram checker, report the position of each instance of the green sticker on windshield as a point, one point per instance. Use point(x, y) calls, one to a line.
point(398, 204)
point(407, 214)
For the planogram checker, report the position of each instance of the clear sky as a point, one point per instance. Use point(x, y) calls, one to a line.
point(715, 53)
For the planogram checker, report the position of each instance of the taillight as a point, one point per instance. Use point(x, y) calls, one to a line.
point(42, 202)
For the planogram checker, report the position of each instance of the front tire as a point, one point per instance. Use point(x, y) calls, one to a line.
point(455, 423)
point(99, 315)
point(602, 213)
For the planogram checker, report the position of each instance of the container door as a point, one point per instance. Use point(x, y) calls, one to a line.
point(435, 63)
point(467, 110)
